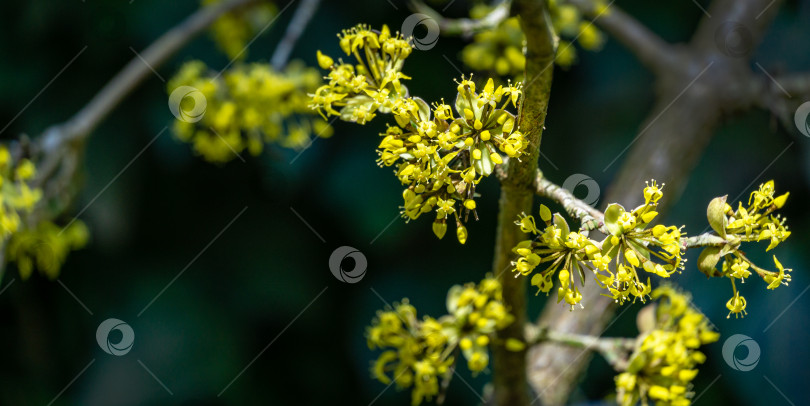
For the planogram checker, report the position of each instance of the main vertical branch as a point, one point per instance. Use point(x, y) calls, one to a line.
point(516, 197)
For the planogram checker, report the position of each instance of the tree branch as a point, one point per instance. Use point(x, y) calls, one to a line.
point(753, 17)
point(615, 350)
point(509, 367)
point(298, 23)
point(465, 27)
point(781, 95)
point(60, 146)
point(797, 84)
point(585, 213)
point(78, 127)
point(589, 217)
point(648, 47)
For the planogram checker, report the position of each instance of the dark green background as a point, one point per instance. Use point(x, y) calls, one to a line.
point(268, 266)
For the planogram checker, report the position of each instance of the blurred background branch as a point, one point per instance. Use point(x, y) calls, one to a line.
point(647, 46)
point(298, 23)
point(464, 27)
point(615, 350)
point(60, 146)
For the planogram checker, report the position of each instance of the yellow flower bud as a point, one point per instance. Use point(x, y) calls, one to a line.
point(659, 392)
point(545, 213)
point(468, 114)
point(461, 233)
point(514, 345)
point(439, 228)
point(687, 374)
point(780, 201)
point(324, 61)
point(469, 204)
point(631, 257)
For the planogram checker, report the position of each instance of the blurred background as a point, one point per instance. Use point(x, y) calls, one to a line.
point(256, 316)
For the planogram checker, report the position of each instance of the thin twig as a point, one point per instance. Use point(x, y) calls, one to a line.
point(59, 147)
point(592, 218)
point(78, 127)
point(465, 27)
point(615, 350)
point(303, 14)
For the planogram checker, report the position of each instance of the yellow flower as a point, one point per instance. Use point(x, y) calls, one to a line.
point(782, 277)
point(736, 305)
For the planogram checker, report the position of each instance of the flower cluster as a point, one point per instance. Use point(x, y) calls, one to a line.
point(666, 357)
point(16, 196)
point(417, 353)
point(373, 83)
point(440, 153)
point(750, 223)
point(247, 106)
point(568, 23)
point(441, 157)
point(500, 50)
point(631, 246)
point(45, 247)
point(232, 31)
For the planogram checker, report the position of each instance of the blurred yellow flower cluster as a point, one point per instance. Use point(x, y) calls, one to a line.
point(418, 353)
point(232, 31)
point(16, 196)
point(45, 247)
point(666, 357)
point(500, 50)
point(630, 245)
point(750, 223)
point(440, 153)
point(245, 107)
point(569, 24)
